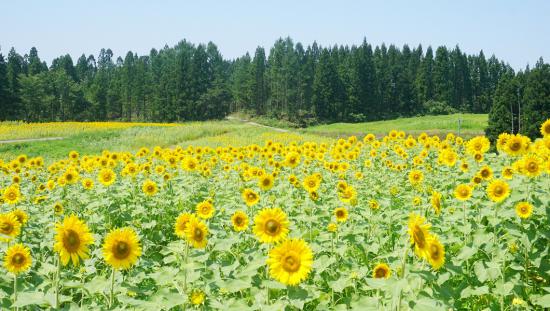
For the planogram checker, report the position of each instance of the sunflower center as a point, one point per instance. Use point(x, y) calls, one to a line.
point(239, 220)
point(18, 259)
point(380, 273)
point(291, 262)
point(272, 227)
point(464, 192)
point(150, 188)
point(12, 196)
point(6, 228)
point(121, 250)
point(198, 235)
point(515, 146)
point(251, 197)
point(532, 167)
point(266, 182)
point(499, 190)
point(71, 241)
point(434, 252)
point(340, 214)
point(419, 238)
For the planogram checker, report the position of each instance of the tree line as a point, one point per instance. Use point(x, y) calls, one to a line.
point(304, 85)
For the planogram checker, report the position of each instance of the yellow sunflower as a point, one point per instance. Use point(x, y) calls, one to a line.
point(17, 259)
point(332, 227)
point(508, 172)
point(436, 202)
point(290, 262)
point(416, 177)
point(87, 183)
point(10, 227)
point(524, 209)
point(196, 233)
point(341, 214)
point(181, 224)
point(107, 177)
point(149, 187)
point(58, 208)
point(381, 271)
point(419, 233)
point(239, 221)
point(531, 166)
point(435, 252)
point(72, 240)
point(21, 216)
point(545, 128)
point(373, 204)
point(205, 209)
point(266, 181)
point(197, 297)
point(311, 183)
point(463, 192)
point(486, 172)
point(12, 194)
point(271, 225)
point(250, 197)
point(121, 248)
point(498, 190)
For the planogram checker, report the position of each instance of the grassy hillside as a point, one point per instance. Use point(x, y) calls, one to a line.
point(472, 124)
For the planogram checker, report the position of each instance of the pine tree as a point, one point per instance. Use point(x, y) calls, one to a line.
point(536, 100)
point(501, 114)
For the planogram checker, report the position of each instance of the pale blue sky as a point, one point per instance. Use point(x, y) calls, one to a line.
point(515, 31)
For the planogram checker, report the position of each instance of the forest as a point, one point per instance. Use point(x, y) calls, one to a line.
point(304, 85)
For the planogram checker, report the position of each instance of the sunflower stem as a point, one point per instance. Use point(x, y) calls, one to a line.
point(57, 281)
point(185, 259)
point(15, 290)
point(112, 288)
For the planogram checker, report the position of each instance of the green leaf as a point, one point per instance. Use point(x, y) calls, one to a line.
point(478, 291)
point(543, 301)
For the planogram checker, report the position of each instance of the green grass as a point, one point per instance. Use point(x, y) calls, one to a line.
point(472, 124)
point(211, 133)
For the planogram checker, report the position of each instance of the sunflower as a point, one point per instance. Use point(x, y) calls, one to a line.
point(250, 197)
point(12, 194)
point(498, 190)
point(486, 172)
point(332, 227)
point(121, 248)
point(436, 202)
point(373, 204)
point(381, 271)
point(87, 183)
point(10, 227)
point(72, 240)
point(311, 183)
point(515, 145)
point(17, 259)
point(271, 225)
point(545, 128)
point(292, 159)
point(435, 252)
point(21, 216)
point(149, 187)
point(341, 214)
point(58, 208)
point(265, 182)
point(107, 177)
point(239, 221)
point(197, 297)
point(419, 234)
point(463, 192)
point(531, 166)
point(181, 224)
point(290, 262)
point(508, 172)
point(416, 177)
point(196, 233)
point(205, 209)
point(524, 209)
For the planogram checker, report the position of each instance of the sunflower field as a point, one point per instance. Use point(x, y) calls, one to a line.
point(364, 223)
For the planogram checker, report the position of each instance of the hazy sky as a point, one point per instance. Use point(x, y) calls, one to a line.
point(516, 31)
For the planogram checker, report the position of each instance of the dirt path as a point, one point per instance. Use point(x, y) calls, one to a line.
point(277, 129)
point(9, 141)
